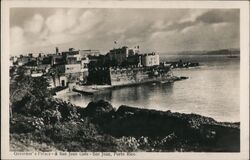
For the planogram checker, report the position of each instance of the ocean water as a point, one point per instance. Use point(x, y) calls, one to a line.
point(213, 90)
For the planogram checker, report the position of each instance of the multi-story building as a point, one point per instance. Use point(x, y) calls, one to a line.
point(150, 59)
point(135, 60)
point(73, 69)
point(89, 52)
point(71, 51)
point(57, 60)
point(22, 60)
point(84, 63)
point(120, 55)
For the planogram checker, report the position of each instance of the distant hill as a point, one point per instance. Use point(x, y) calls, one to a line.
point(231, 51)
point(223, 52)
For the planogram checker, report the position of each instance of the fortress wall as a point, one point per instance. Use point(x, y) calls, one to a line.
point(124, 76)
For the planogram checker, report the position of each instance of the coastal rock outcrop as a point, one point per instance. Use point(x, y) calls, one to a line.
point(194, 132)
point(98, 108)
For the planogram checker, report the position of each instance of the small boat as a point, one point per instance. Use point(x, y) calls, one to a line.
point(167, 81)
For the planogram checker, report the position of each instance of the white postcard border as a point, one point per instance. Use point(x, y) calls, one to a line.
point(244, 71)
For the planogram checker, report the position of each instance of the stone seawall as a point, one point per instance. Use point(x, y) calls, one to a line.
point(118, 76)
point(121, 77)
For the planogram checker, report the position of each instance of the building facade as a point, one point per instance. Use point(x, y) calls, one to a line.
point(150, 59)
point(120, 55)
point(89, 52)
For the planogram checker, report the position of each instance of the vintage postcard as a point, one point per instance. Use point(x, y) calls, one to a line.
point(125, 79)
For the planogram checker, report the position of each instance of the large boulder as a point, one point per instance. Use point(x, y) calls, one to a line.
point(98, 108)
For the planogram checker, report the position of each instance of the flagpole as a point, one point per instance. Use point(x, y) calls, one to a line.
point(115, 44)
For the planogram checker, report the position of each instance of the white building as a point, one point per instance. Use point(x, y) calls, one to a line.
point(89, 52)
point(150, 59)
point(60, 81)
point(72, 68)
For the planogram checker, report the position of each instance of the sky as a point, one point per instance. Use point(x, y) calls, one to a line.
point(34, 30)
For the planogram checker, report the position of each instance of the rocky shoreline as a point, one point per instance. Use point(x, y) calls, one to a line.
point(100, 127)
point(191, 132)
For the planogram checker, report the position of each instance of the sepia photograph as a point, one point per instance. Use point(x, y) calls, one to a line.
point(120, 81)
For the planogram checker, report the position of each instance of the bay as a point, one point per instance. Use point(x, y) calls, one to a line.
point(213, 90)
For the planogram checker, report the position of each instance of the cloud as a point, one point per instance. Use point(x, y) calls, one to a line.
point(220, 16)
point(60, 38)
point(72, 17)
point(196, 37)
point(17, 39)
point(192, 15)
point(87, 20)
point(34, 25)
point(152, 29)
point(57, 23)
point(181, 25)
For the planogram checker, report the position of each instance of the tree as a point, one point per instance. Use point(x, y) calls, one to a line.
point(28, 93)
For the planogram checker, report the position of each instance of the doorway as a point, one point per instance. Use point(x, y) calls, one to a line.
point(63, 83)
